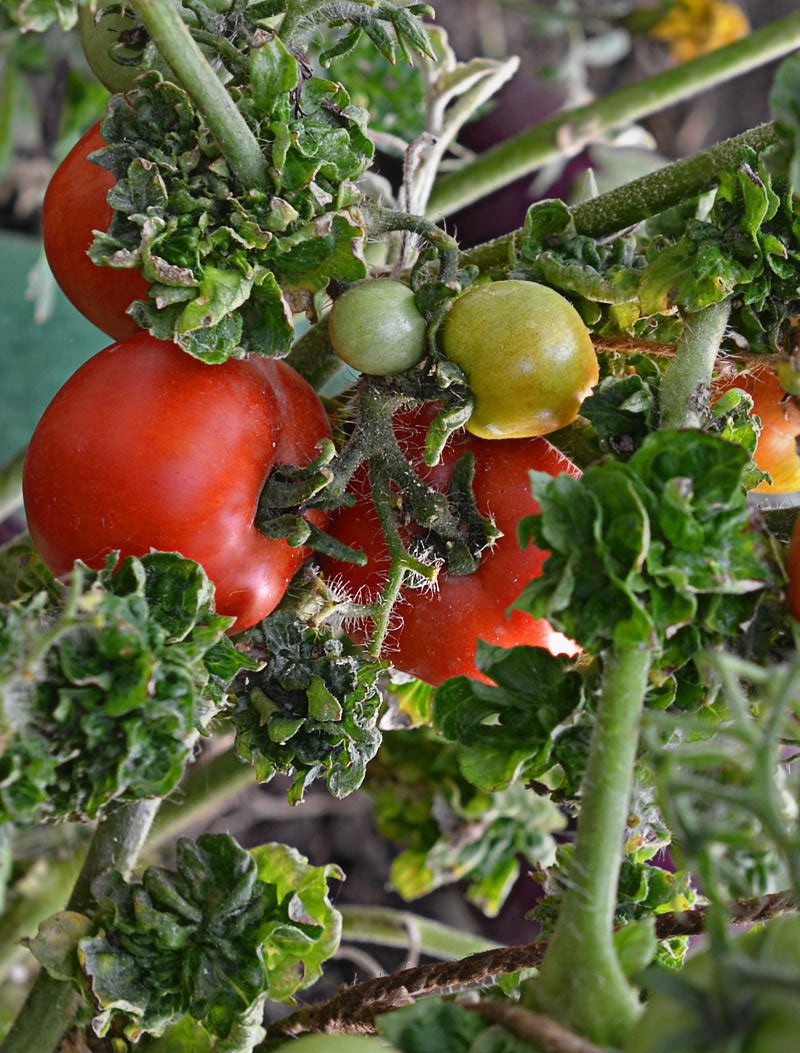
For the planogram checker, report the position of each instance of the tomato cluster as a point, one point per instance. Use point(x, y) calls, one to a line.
point(436, 630)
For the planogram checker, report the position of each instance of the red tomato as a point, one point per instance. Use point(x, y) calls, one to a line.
point(74, 208)
point(436, 631)
point(147, 448)
point(776, 452)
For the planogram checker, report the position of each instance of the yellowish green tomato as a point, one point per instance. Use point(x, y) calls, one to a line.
point(527, 356)
point(115, 44)
point(375, 327)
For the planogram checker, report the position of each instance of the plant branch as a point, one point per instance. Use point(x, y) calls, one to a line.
point(399, 928)
point(685, 385)
point(51, 1004)
point(565, 134)
point(581, 980)
point(360, 1003)
point(541, 1031)
point(174, 41)
point(647, 196)
point(11, 485)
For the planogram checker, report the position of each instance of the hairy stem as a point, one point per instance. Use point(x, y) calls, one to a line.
point(685, 384)
point(565, 134)
point(51, 1004)
point(174, 41)
point(581, 982)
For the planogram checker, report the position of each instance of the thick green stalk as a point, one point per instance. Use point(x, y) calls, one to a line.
point(580, 982)
point(565, 134)
point(174, 41)
point(642, 198)
point(51, 1004)
point(684, 387)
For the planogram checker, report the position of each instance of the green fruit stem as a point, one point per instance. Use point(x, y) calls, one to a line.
point(174, 41)
point(685, 385)
point(403, 929)
point(581, 983)
point(51, 1004)
point(565, 134)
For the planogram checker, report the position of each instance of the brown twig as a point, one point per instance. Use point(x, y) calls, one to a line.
point(532, 1027)
point(354, 1008)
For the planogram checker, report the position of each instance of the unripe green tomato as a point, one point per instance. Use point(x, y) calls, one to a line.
point(375, 327)
point(527, 356)
point(337, 1044)
point(100, 34)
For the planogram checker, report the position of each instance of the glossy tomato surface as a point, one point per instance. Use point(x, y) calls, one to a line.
point(435, 632)
point(147, 448)
point(527, 356)
point(375, 327)
point(74, 208)
point(777, 450)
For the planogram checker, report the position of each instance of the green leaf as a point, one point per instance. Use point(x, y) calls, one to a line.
point(654, 552)
point(104, 685)
point(312, 710)
point(273, 72)
point(210, 939)
point(785, 109)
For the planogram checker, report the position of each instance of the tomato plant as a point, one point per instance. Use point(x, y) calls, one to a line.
point(471, 606)
point(527, 355)
point(375, 327)
point(776, 452)
point(145, 447)
point(74, 208)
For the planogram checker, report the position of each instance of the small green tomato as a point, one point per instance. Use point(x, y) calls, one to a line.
point(527, 356)
point(375, 327)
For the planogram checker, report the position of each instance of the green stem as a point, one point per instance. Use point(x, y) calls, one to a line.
point(11, 485)
point(298, 15)
point(647, 196)
point(685, 384)
point(171, 36)
point(581, 982)
point(565, 134)
point(51, 1004)
point(205, 790)
point(401, 929)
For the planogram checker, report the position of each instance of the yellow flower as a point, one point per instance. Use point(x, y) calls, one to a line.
point(693, 27)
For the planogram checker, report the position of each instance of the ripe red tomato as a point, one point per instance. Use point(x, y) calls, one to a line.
point(436, 631)
point(74, 207)
point(776, 452)
point(145, 447)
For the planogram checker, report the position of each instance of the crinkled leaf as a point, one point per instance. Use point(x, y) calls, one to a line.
point(433, 1023)
point(657, 551)
point(505, 730)
point(450, 830)
point(312, 710)
point(104, 683)
point(209, 939)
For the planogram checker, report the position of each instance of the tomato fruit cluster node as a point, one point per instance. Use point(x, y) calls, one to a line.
point(527, 356)
point(148, 448)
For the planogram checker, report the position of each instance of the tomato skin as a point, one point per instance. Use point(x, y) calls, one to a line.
point(148, 448)
point(776, 451)
point(435, 632)
point(376, 328)
point(74, 207)
point(527, 355)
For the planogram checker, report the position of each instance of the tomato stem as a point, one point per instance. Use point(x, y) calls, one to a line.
point(51, 1004)
point(581, 982)
point(174, 41)
point(685, 384)
point(567, 133)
